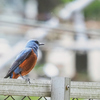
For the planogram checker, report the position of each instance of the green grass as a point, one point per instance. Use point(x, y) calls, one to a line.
point(18, 98)
point(32, 98)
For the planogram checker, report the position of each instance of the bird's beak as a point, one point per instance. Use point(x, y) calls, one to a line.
point(41, 44)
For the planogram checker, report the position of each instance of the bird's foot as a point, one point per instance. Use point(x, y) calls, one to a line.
point(27, 80)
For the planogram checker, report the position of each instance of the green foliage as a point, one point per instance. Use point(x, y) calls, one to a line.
point(76, 99)
point(18, 98)
point(93, 11)
point(65, 1)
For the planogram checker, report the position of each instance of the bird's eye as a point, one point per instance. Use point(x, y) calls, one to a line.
point(36, 42)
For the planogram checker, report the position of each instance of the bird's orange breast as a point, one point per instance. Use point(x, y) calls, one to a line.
point(28, 63)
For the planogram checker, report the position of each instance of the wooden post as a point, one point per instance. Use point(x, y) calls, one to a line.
point(60, 88)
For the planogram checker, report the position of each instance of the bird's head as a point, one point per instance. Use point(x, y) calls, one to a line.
point(33, 44)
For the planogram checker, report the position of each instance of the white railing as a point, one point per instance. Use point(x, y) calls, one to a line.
point(59, 88)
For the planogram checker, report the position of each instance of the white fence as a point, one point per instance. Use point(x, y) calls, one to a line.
point(59, 88)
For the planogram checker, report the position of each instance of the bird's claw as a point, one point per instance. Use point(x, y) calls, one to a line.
point(27, 80)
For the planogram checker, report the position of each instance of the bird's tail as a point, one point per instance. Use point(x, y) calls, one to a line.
point(6, 76)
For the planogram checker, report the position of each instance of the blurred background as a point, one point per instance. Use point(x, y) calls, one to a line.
point(70, 30)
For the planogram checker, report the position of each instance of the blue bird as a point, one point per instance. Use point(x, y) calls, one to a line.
point(25, 61)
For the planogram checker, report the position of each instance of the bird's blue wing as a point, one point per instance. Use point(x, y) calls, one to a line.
point(20, 58)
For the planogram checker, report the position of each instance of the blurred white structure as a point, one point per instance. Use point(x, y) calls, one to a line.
point(50, 70)
point(74, 10)
point(41, 32)
point(31, 10)
point(94, 65)
point(64, 60)
point(4, 47)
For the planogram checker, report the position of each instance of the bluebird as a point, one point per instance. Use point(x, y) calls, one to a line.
point(25, 61)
